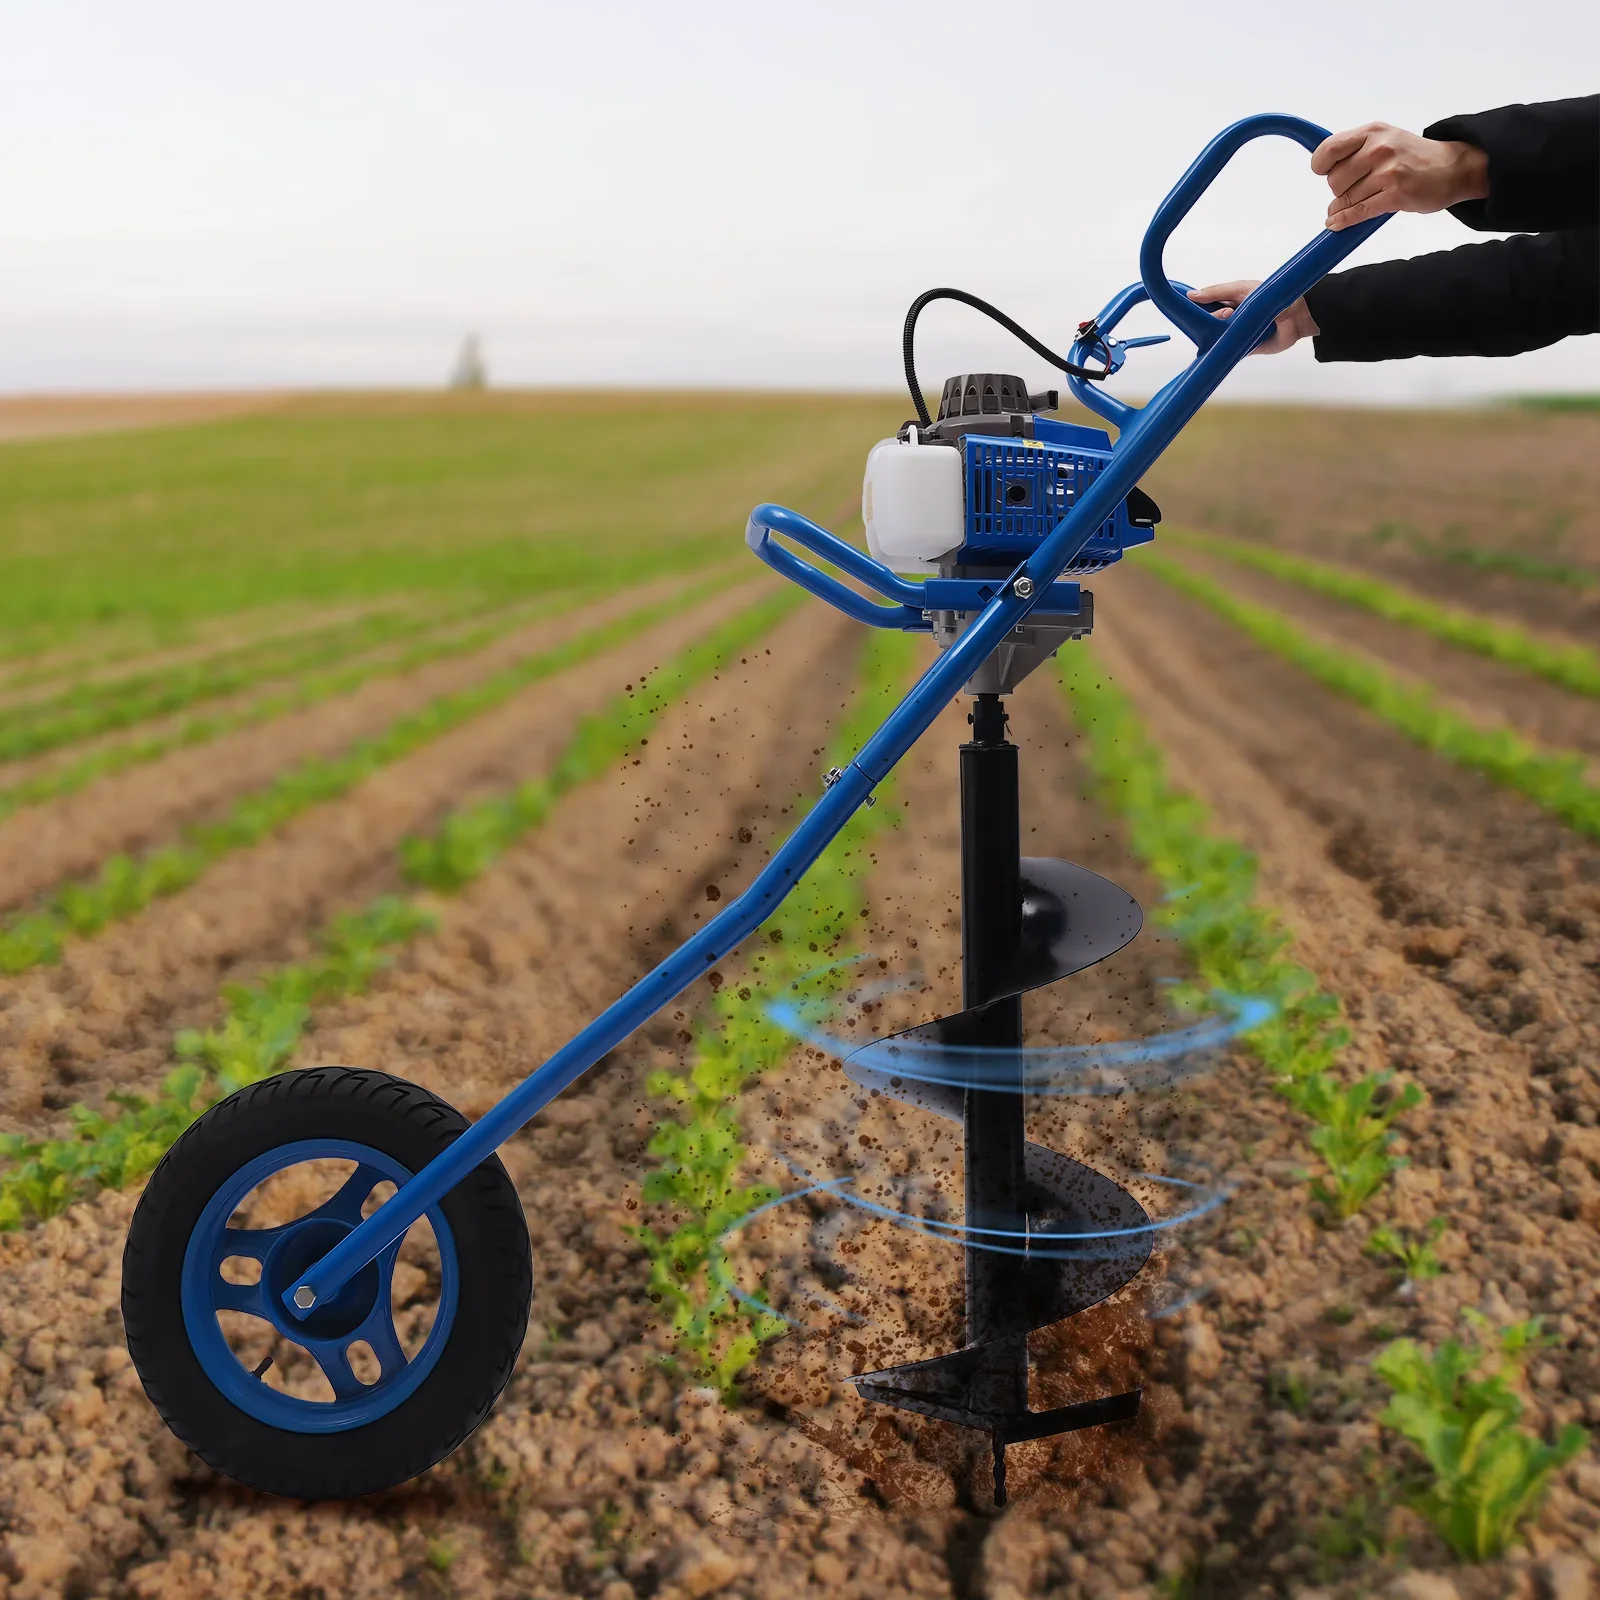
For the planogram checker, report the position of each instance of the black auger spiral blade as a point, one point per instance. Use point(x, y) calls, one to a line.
point(1046, 1237)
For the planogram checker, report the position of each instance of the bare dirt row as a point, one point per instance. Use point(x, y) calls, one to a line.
point(104, 1017)
point(1457, 923)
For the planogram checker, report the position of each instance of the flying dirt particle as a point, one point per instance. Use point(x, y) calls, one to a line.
point(713, 893)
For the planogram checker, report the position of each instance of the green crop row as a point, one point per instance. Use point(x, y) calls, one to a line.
point(125, 885)
point(1514, 563)
point(310, 690)
point(262, 1023)
point(1237, 946)
point(1571, 666)
point(1553, 779)
point(89, 709)
point(699, 1151)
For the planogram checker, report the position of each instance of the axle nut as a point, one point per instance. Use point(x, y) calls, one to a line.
point(304, 1297)
point(1023, 588)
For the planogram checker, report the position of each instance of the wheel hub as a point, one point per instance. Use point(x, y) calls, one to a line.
point(303, 1244)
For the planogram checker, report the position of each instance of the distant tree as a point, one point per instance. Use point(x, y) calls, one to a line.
point(470, 371)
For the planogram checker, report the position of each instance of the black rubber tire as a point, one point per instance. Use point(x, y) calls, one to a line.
point(495, 1286)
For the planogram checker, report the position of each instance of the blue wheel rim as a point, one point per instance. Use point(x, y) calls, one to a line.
point(362, 1311)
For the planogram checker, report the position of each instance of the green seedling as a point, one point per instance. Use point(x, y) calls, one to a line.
point(1340, 1315)
point(1412, 1256)
point(1460, 1409)
point(1353, 1134)
point(1289, 1387)
point(1359, 1525)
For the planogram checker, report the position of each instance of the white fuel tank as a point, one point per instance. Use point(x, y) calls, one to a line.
point(912, 503)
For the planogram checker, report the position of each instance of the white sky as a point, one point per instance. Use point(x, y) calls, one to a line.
point(204, 195)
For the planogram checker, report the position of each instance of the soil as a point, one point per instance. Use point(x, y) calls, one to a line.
point(600, 1475)
point(1471, 684)
point(146, 805)
point(1457, 923)
point(103, 1018)
point(1364, 486)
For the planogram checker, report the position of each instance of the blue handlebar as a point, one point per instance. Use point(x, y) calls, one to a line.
point(1203, 328)
point(1239, 334)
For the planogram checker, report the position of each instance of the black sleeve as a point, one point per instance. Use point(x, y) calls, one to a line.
point(1493, 299)
point(1544, 165)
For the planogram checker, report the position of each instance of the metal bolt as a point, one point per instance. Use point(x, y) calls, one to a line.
point(304, 1297)
point(1023, 587)
point(832, 776)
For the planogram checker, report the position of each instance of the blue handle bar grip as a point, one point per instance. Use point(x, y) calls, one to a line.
point(767, 520)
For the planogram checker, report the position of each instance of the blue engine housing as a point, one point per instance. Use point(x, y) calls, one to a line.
point(1018, 489)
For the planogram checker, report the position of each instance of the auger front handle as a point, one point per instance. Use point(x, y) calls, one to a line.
point(1220, 342)
point(767, 520)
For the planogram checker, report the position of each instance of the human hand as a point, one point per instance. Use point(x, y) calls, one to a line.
point(1376, 169)
point(1291, 327)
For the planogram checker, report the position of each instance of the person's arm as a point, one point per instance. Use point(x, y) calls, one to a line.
point(1542, 165)
point(1494, 299)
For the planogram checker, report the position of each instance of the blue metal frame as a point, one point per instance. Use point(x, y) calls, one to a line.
point(1145, 432)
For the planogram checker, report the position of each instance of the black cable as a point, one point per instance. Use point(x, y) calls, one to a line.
point(1070, 368)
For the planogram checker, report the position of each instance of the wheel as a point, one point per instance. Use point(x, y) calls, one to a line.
point(390, 1375)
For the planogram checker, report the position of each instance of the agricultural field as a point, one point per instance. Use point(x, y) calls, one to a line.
point(405, 732)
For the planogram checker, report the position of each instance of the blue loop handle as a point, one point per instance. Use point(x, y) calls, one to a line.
point(767, 520)
point(1178, 309)
point(1249, 324)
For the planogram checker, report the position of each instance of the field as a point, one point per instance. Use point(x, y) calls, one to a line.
point(405, 731)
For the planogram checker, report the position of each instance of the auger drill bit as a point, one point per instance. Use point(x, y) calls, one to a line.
point(1046, 1236)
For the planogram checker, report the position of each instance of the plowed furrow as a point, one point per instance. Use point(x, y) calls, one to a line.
point(106, 1014)
point(1480, 688)
point(134, 809)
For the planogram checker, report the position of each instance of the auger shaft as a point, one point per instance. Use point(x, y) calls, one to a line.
point(991, 927)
